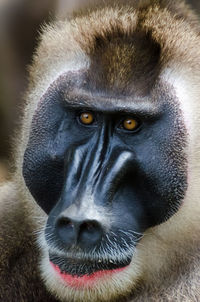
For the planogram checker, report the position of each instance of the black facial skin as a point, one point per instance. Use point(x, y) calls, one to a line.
point(138, 178)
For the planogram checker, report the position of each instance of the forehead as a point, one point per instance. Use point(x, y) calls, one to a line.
point(122, 67)
point(73, 89)
point(124, 64)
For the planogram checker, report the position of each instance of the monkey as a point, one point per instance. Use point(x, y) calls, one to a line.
point(103, 201)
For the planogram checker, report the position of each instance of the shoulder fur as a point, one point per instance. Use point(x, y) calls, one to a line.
point(19, 256)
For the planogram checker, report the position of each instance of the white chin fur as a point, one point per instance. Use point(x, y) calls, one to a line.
point(106, 289)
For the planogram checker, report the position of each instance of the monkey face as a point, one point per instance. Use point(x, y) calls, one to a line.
point(104, 168)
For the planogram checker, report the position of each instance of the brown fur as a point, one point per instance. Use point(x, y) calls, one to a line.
point(20, 280)
point(130, 42)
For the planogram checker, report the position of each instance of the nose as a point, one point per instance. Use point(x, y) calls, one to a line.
point(84, 233)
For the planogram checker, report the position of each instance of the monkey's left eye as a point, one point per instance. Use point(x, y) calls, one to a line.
point(130, 124)
point(86, 118)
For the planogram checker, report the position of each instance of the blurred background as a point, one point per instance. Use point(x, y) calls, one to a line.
point(20, 23)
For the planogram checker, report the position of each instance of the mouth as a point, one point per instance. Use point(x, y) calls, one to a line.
point(81, 273)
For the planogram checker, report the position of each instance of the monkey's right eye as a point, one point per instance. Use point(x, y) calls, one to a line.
point(86, 118)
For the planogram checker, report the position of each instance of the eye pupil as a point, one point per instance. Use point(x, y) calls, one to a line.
point(86, 118)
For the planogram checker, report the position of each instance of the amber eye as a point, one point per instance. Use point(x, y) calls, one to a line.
point(130, 124)
point(86, 118)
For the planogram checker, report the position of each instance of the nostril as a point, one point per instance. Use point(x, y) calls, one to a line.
point(90, 233)
point(66, 230)
point(90, 226)
point(65, 222)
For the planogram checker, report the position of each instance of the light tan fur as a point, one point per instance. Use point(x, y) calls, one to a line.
point(166, 264)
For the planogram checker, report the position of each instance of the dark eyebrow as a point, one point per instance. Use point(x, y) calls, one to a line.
point(127, 105)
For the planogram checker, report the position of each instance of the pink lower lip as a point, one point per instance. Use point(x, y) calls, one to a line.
point(86, 280)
